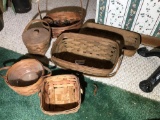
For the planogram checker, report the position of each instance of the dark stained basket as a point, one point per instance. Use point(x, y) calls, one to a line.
point(37, 39)
point(88, 54)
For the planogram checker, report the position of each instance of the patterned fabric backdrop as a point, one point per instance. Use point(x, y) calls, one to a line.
point(142, 16)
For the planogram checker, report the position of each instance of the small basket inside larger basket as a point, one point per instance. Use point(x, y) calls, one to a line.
point(88, 54)
point(60, 94)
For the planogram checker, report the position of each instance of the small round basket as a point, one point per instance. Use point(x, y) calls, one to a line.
point(37, 38)
point(26, 76)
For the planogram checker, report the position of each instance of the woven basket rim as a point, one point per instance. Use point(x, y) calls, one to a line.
point(69, 26)
point(62, 63)
point(28, 85)
point(73, 110)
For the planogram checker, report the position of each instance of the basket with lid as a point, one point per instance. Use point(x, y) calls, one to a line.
point(36, 37)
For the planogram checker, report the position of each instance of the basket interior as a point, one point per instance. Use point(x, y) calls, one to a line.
point(128, 43)
point(63, 18)
point(60, 93)
point(88, 52)
point(24, 73)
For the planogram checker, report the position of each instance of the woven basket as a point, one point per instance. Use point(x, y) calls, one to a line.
point(65, 19)
point(130, 42)
point(37, 39)
point(88, 54)
point(26, 76)
point(60, 94)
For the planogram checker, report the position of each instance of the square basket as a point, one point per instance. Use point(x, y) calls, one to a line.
point(87, 54)
point(60, 94)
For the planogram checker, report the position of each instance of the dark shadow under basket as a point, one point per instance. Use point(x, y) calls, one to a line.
point(60, 94)
point(87, 54)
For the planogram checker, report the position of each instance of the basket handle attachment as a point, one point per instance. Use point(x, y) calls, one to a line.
point(35, 21)
point(117, 66)
point(4, 68)
point(49, 71)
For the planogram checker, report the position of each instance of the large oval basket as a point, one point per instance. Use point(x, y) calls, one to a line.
point(87, 54)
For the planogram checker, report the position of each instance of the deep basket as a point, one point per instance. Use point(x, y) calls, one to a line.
point(60, 94)
point(36, 37)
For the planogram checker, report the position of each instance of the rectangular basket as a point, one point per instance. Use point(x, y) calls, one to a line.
point(130, 41)
point(60, 94)
point(87, 54)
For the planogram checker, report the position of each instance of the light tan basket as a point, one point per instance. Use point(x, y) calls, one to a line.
point(88, 54)
point(130, 41)
point(37, 39)
point(26, 76)
point(67, 18)
point(60, 94)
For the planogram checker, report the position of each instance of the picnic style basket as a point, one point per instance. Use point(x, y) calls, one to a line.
point(60, 94)
point(88, 54)
point(36, 37)
point(130, 42)
point(67, 18)
point(26, 76)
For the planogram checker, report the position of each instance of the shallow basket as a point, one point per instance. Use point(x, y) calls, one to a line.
point(26, 76)
point(60, 94)
point(62, 19)
point(87, 54)
point(130, 42)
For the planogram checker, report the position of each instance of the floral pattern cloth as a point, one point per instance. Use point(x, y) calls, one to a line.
point(142, 16)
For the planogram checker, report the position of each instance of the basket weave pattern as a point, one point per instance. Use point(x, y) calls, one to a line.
point(131, 40)
point(60, 95)
point(87, 54)
point(15, 76)
point(37, 39)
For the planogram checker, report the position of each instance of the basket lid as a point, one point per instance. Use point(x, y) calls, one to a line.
point(35, 35)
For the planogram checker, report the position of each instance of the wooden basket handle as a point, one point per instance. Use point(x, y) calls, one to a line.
point(81, 5)
point(4, 68)
point(50, 72)
point(119, 64)
point(35, 21)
